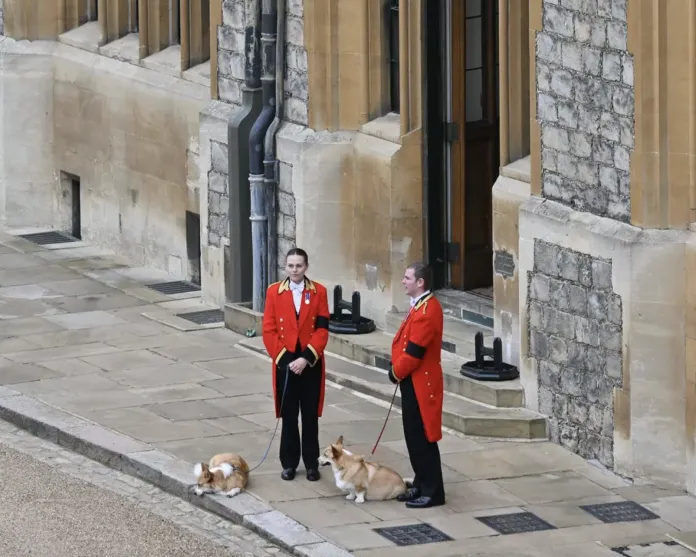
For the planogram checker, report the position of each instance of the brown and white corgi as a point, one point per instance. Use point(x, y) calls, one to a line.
point(360, 478)
point(227, 473)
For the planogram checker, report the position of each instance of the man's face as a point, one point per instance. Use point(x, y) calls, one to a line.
point(412, 286)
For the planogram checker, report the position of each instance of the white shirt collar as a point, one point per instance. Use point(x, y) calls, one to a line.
point(414, 301)
point(297, 287)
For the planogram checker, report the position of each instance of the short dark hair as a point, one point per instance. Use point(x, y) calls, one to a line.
point(298, 251)
point(422, 270)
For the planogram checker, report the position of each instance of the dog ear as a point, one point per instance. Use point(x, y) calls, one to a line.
point(340, 441)
point(335, 453)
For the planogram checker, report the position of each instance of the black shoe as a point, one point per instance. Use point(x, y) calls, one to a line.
point(288, 474)
point(425, 502)
point(313, 474)
point(411, 494)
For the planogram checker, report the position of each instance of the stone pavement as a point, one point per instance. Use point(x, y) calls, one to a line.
point(92, 359)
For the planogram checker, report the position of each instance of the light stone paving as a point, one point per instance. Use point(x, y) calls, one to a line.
point(193, 394)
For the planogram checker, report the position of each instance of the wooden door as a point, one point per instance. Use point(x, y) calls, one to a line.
point(474, 152)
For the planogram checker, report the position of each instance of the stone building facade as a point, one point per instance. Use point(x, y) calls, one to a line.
point(590, 201)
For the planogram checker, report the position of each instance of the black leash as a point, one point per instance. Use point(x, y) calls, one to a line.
point(275, 431)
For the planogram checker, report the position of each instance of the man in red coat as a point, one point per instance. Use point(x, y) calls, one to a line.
point(416, 367)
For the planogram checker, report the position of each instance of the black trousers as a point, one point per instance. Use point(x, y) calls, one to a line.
point(302, 395)
point(424, 455)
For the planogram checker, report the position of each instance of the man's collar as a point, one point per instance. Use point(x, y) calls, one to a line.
point(414, 301)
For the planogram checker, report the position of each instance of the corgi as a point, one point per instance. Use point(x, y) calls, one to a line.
point(227, 473)
point(360, 478)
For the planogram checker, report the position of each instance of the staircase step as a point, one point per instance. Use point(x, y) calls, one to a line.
point(467, 306)
point(459, 414)
point(374, 349)
point(457, 336)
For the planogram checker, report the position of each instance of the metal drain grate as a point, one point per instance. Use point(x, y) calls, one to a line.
point(654, 549)
point(174, 287)
point(51, 237)
point(413, 534)
point(204, 317)
point(623, 511)
point(515, 523)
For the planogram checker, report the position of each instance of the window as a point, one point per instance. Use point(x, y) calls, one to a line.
point(392, 21)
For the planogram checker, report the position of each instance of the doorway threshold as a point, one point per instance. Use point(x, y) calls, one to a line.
point(475, 306)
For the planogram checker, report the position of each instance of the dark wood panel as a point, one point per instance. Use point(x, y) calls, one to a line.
point(458, 148)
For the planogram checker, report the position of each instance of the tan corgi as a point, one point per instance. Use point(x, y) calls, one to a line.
point(360, 478)
point(227, 473)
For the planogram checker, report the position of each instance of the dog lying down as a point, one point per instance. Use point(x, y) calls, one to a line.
point(227, 473)
point(360, 478)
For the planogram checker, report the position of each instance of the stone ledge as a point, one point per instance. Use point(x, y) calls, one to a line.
point(160, 469)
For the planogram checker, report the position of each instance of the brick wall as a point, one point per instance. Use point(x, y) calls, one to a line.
point(575, 335)
point(585, 104)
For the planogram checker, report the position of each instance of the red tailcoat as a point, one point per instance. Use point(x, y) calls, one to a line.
point(282, 329)
point(416, 351)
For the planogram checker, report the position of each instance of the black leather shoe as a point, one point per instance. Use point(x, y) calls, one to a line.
point(288, 474)
point(411, 494)
point(313, 475)
point(425, 502)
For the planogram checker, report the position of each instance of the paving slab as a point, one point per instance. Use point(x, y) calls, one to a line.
point(151, 400)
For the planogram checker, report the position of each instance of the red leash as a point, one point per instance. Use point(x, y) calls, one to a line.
point(385, 422)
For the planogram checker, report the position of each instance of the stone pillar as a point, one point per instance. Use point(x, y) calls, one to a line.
point(31, 19)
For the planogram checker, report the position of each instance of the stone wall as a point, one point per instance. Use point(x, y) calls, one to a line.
point(231, 51)
point(2, 19)
point(296, 82)
point(230, 82)
point(218, 195)
point(585, 105)
point(575, 335)
point(287, 228)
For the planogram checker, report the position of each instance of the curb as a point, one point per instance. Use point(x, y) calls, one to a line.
point(160, 469)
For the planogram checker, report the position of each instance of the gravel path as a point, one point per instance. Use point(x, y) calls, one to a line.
point(46, 512)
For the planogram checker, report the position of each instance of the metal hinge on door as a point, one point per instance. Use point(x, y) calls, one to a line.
point(451, 132)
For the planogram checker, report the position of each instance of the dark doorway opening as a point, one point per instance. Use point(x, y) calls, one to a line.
point(461, 144)
point(193, 246)
point(76, 228)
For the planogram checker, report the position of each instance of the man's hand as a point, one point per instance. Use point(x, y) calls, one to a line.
point(393, 377)
point(297, 367)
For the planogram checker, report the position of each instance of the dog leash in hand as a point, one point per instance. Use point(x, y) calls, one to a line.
point(275, 431)
point(386, 420)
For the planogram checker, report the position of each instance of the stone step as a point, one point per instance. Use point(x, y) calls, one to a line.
point(459, 413)
point(374, 349)
point(467, 306)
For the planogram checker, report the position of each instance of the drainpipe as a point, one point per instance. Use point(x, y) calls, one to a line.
point(270, 162)
point(259, 216)
point(239, 271)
